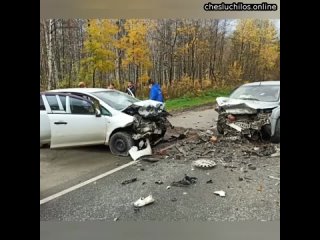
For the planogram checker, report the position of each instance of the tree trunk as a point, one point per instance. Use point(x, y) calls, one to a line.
point(93, 78)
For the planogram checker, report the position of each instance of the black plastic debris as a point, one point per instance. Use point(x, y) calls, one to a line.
point(150, 159)
point(136, 209)
point(186, 181)
point(129, 181)
point(174, 199)
point(158, 182)
point(251, 167)
point(210, 181)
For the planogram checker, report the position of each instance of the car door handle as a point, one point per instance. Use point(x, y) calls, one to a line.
point(58, 123)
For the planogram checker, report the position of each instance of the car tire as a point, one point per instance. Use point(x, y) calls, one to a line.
point(120, 143)
point(276, 136)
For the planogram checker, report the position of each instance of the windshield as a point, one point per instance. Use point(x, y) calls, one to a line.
point(265, 93)
point(115, 99)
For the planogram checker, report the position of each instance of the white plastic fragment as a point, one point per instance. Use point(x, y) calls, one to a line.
point(220, 193)
point(135, 153)
point(143, 201)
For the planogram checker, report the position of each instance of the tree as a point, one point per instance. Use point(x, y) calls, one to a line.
point(99, 49)
point(136, 49)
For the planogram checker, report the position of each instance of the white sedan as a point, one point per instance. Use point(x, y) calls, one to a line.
point(90, 116)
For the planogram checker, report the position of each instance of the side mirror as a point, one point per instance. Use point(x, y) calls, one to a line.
point(98, 113)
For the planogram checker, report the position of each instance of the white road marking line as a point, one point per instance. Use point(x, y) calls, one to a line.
point(59, 194)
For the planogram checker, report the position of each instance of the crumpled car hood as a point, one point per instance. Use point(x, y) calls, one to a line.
point(146, 103)
point(146, 108)
point(241, 106)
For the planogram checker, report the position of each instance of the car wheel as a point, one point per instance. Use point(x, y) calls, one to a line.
point(120, 143)
point(276, 137)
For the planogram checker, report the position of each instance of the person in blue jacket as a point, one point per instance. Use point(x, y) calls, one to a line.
point(155, 91)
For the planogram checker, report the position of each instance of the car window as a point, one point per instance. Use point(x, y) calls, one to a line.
point(53, 102)
point(266, 93)
point(42, 107)
point(63, 101)
point(116, 99)
point(105, 112)
point(79, 106)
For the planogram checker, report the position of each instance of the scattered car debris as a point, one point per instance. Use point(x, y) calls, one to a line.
point(220, 193)
point(204, 163)
point(180, 149)
point(213, 139)
point(209, 181)
point(150, 159)
point(173, 199)
point(232, 138)
point(209, 132)
point(186, 181)
point(229, 166)
point(276, 154)
point(115, 219)
point(136, 209)
point(129, 181)
point(251, 167)
point(157, 141)
point(205, 136)
point(185, 193)
point(143, 201)
point(207, 152)
point(276, 178)
point(168, 187)
point(265, 150)
point(159, 182)
point(177, 137)
point(135, 153)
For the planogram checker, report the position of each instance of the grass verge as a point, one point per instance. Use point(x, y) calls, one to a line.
point(204, 98)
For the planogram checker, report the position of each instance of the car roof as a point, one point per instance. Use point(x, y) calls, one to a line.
point(262, 83)
point(81, 90)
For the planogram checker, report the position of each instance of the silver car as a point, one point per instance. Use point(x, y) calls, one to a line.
point(252, 110)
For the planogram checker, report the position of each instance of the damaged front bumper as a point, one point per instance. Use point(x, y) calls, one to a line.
point(252, 119)
point(150, 121)
point(253, 126)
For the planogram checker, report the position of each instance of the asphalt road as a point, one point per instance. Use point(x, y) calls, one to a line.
point(197, 119)
point(257, 197)
point(63, 168)
point(107, 199)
